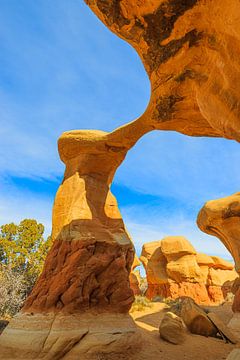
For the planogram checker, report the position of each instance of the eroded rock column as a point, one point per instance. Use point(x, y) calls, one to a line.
point(79, 305)
point(88, 267)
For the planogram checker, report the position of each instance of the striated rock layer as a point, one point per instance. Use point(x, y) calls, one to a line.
point(65, 336)
point(175, 269)
point(221, 218)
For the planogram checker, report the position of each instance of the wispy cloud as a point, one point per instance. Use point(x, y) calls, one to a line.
point(146, 226)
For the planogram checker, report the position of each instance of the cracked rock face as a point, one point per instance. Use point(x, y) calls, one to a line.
point(175, 269)
point(191, 55)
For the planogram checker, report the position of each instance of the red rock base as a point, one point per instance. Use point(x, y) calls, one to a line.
point(200, 293)
point(84, 275)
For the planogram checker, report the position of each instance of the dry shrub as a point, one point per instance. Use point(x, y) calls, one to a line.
point(12, 292)
point(140, 303)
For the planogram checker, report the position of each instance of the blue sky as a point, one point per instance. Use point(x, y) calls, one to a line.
point(61, 69)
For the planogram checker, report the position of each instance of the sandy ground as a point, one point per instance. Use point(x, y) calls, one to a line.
point(195, 348)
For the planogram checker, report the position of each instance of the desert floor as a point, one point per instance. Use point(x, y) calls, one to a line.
point(195, 347)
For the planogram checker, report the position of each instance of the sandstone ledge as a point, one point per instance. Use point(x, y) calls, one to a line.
point(68, 337)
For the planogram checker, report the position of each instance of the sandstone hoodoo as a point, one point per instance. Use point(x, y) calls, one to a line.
point(87, 270)
point(175, 269)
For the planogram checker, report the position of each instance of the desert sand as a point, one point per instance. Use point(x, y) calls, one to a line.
point(195, 347)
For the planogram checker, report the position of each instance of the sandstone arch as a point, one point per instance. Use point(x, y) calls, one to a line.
point(193, 65)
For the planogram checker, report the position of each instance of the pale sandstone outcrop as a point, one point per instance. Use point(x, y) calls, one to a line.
point(70, 336)
point(174, 269)
point(221, 218)
point(172, 329)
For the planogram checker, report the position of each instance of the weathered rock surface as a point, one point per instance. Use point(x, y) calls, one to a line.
point(221, 218)
point(234, 325)
point(223, 330)
point(135, 277)
point(172, 329)
point(196, 319)
point(193, 63)
point(64, 336)
point(234, 355)
point(175, 269)
point(193, 66)
point(87, 269)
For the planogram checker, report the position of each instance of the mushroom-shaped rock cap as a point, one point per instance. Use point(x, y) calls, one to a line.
point(176, 246)
point(149, 248)
point(221, 218)
point(219, 209)
point(72, 143)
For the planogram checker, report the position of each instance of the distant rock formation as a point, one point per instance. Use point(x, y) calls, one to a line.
point(135, 277)
point(175, 269)
point(221, 218)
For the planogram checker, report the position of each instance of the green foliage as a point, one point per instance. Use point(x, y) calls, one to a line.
point(23, 248)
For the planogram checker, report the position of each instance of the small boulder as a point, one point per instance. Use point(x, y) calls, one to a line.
point(196, 319)
point(172, 329)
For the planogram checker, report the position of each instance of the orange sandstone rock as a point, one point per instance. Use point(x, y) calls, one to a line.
point(221, 218)
point(135, 277)
point(192, 63)
point(88, 267)
point(174, 269)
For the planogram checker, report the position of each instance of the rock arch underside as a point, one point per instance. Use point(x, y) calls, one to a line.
point(79, 305)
